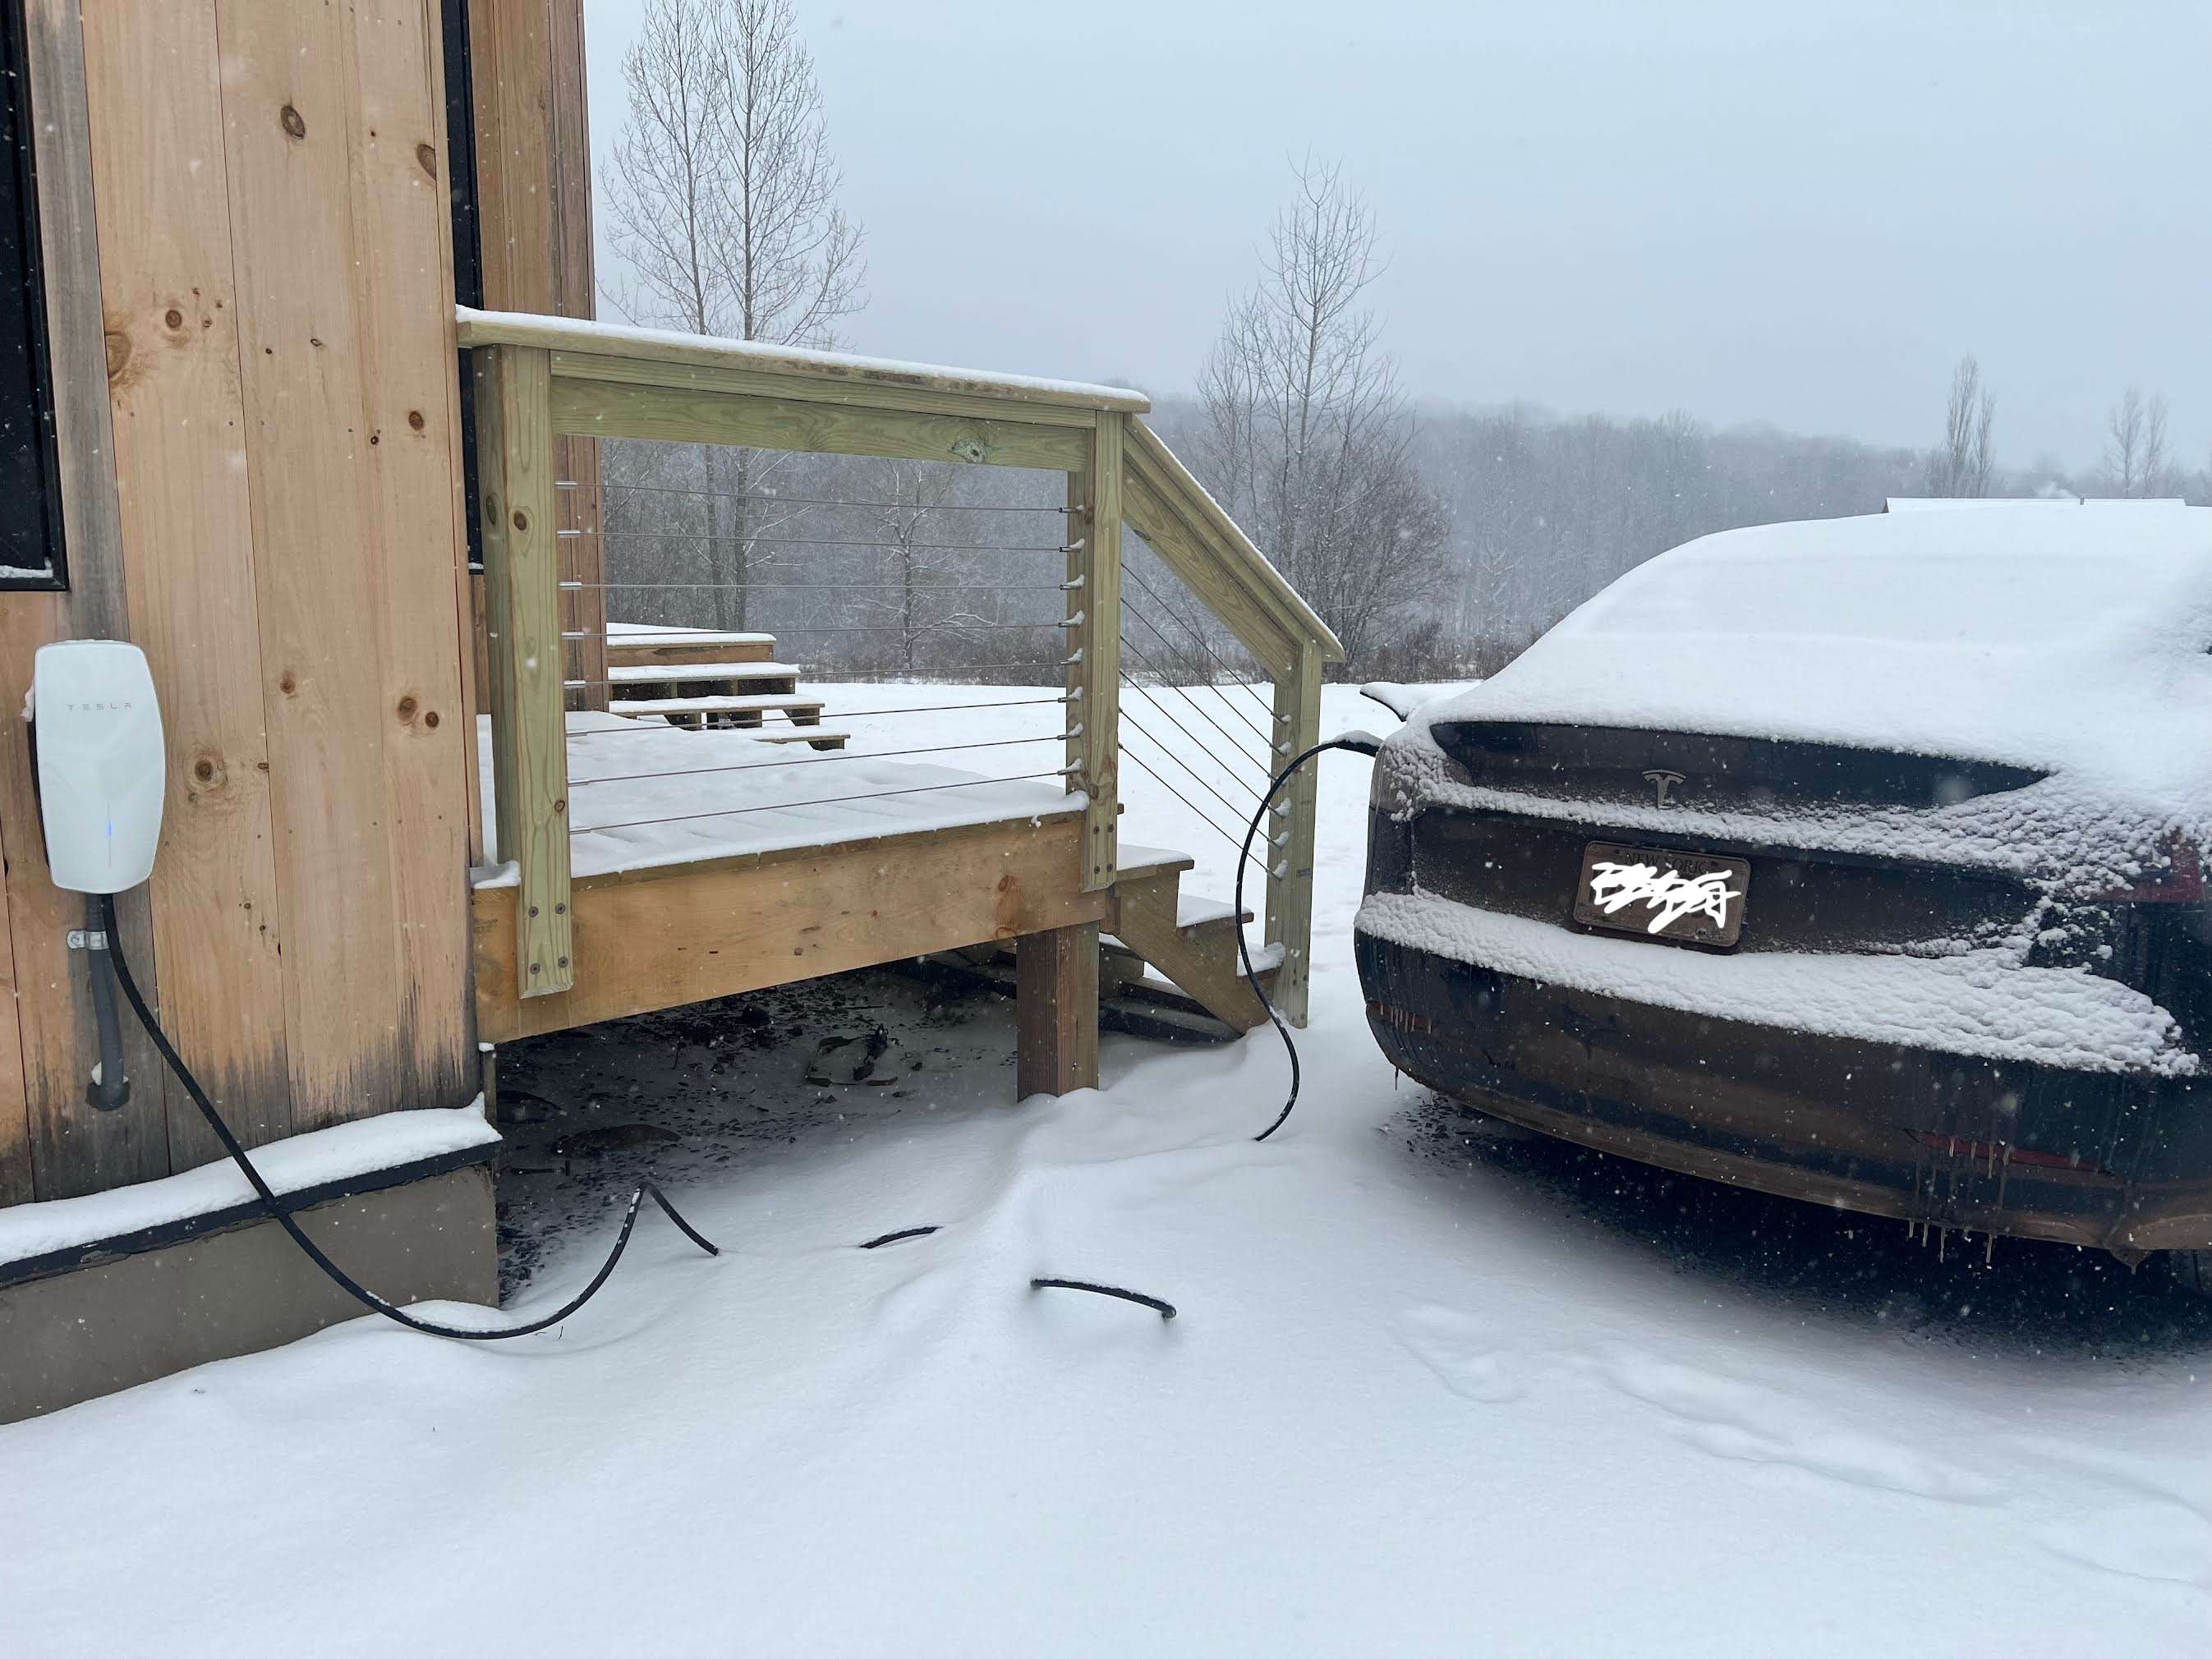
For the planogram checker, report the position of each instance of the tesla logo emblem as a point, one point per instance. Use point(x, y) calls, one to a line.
point(1662, 782)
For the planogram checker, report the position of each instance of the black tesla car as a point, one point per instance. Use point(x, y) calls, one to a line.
point(1857, 860)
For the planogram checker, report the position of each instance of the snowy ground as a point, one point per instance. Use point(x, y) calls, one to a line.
point(1429, 1392)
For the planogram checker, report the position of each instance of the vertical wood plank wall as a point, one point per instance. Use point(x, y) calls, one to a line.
point(534, 205)
point(269, 181)
point(52, 1005)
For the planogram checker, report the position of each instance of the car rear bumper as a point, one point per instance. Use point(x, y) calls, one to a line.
point(2114, 1159)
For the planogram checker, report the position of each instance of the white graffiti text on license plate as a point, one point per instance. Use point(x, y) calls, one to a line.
point(1670, 895)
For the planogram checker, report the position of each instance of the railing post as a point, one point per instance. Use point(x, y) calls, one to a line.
point(1094, 573)
point(1291, 832)
point(528, 724)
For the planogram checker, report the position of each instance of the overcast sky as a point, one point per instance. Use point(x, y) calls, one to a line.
point(1799, 211)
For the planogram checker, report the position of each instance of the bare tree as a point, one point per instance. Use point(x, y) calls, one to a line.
point(1961, 465)
point(2137, 463)
point(1308, 439)
point(924, 571)
point(721, 201)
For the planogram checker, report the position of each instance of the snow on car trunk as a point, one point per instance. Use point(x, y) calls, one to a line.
point(2068, 638)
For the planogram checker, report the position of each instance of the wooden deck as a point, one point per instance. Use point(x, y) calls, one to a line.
point(760, 870)
point(630, 889)
point(662, 936)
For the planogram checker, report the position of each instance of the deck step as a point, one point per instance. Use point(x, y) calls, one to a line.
point(1136, 863)
point(1192, 941)
point(765, 703)
point(635, 644)
point(1192, 911)
point(817, 737)
point(683, 673)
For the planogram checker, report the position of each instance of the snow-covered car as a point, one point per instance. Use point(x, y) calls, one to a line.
point(1858, 861)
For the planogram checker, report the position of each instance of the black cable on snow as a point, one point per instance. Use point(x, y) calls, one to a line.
point(1165, 1310)
point(882, 1239)
point(1358, 743)
point(278, 1208)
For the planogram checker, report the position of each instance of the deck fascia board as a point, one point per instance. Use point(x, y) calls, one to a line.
point(664, 935)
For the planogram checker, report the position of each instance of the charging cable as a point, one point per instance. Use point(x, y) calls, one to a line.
point(1357, 743)
point(282, 1213)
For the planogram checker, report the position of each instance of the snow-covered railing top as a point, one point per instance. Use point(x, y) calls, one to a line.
point(570, 334)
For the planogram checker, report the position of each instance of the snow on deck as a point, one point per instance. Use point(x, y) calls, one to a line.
point(1982, 1003)
point(674, 634)
point(642, 794)
point(661, 673)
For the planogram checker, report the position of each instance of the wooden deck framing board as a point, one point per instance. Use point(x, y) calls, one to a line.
point(1094, 562)
point(663, 937)
point(754, 383)
point(529, 733)
point(752, 421)
point(1056, 1011)
point(854, 374)
point(1290, 834)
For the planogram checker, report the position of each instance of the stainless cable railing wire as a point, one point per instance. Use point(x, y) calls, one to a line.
point(1137, 575)
point(1130, 720)
point(1146, 663)
point(762, 498)
point(1151, 702)
point(813, 760)
point(848, 714)
point(771, 541)
point(1212, 764)
point(829, 800)
point(1194, 809)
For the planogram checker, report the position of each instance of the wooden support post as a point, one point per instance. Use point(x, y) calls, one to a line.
point(528, 724)
point(1056, 1011)
point(1291, 833)
point(1094, 561)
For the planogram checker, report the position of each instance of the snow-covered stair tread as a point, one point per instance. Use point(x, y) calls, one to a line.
point(664, 674)
point(1192, 911)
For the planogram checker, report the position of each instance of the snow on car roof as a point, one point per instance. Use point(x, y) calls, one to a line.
point(2063, 635)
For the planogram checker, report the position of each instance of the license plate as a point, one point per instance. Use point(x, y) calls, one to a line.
point(1684, 898)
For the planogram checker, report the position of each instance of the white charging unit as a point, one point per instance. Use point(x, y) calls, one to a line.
point(97, 729)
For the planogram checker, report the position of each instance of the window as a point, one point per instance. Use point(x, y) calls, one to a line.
point(30, 493)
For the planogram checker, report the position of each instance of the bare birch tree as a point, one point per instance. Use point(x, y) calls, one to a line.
point(2137, 460)
point(920, 600)
point(1961, 465)
point(721, 201)
point(1308, 438)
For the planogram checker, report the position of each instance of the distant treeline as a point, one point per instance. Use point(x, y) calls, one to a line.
point(1543, 511)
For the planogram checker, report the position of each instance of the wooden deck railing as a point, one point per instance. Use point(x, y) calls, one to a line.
point(544, 378)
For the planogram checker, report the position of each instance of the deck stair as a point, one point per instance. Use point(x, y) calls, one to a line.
point(1190, 941)
point(698, 678)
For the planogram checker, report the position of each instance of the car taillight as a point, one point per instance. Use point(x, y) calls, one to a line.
point(2181, 882)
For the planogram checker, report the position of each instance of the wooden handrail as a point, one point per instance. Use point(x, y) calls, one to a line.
point(793, 363)
point(1224, 541)
point(543, 376)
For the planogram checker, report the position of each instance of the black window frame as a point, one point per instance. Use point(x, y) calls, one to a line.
point(468, 241)
point(30, 519)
